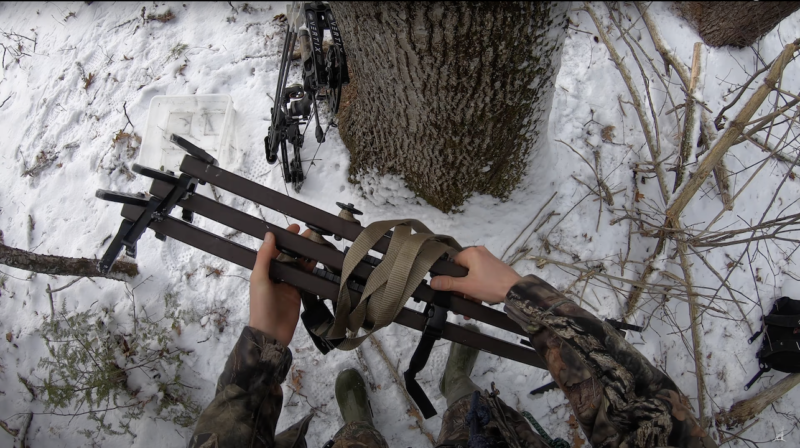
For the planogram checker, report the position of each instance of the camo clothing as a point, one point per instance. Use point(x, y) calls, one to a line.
point(618, 397)
point(504, 426)
point(248, 398)
point(358, 435)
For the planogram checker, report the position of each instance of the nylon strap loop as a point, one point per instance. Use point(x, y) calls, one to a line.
point(388, 288)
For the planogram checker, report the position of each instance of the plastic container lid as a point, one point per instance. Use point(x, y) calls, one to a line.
point(205, 120)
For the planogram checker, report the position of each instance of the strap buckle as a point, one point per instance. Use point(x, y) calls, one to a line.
point(437, 316)
point(318, 318)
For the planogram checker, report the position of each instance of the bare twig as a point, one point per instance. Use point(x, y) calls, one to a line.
point(726, 286)
point(125, 110)
point(529, 224)
point(724, 187)
point(365, 368)
point(761, 122)
point(670, 60)
point(604, 192)
point(51, 291)
point(718, 121)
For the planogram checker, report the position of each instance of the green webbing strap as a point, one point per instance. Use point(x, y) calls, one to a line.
point(388, 288)
point(554, 443)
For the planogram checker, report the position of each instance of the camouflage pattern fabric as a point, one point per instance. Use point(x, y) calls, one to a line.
point(248, 398)
point(506, 427)
point(358, 435)
point(617, 396)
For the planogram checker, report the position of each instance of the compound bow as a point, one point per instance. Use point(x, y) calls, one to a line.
point(324, 75)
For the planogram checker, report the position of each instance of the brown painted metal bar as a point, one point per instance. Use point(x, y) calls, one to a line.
point(245, 257)
point(255, 227)
point(296, 209)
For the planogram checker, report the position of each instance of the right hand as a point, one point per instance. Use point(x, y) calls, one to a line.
point(489, 279)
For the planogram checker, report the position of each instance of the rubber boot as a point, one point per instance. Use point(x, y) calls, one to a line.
point(455, 382)
point(351, 395)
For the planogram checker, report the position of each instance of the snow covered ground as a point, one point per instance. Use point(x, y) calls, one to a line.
point(51, 116)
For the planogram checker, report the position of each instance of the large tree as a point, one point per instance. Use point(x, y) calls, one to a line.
point(738, 24)
point(452, 96)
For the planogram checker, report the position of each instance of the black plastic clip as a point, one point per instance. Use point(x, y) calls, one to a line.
point(317, 316)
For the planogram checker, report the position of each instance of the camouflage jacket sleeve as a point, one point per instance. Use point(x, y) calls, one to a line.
point(248, 398)
point(618, 397)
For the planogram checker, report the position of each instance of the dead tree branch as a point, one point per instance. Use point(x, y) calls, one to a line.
point(691, 122)
point(733, 132)
point(699, 370)
point(744, 410)
point(57, 265)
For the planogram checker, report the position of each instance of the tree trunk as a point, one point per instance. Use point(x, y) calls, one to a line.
point(55, 265)
point(739, 24)
point(453, 97)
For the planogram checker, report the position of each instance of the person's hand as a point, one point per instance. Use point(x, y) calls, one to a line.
point(489, 279)
point(274, 307)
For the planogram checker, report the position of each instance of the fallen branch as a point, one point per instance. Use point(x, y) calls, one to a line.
point(744, 410)
point(724, 187)
point(670, 60)
point(735, 129)
point(691, 121)
point(697, 353)
point(707, 133)
point(56, 265)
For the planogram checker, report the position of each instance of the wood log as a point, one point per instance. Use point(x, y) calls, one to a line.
point(57, 265)
point(744, 410)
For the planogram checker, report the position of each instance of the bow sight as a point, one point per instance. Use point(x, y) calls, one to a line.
point(324, 75)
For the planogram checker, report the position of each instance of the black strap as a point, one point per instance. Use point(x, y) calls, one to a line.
point(788, 321)
point(315, 315)
point(437, 317)
point(755, 335)
point(540, 390)
point(763, 369)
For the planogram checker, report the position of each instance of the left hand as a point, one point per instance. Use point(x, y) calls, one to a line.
point(274, 307)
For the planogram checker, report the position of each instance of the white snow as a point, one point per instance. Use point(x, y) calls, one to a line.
point(46, 112)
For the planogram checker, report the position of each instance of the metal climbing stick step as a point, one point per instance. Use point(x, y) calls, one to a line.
point(168, 191)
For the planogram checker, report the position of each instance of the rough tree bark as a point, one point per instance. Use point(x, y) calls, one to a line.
point(451, 96)
point(738, 24)
point(56, 265)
